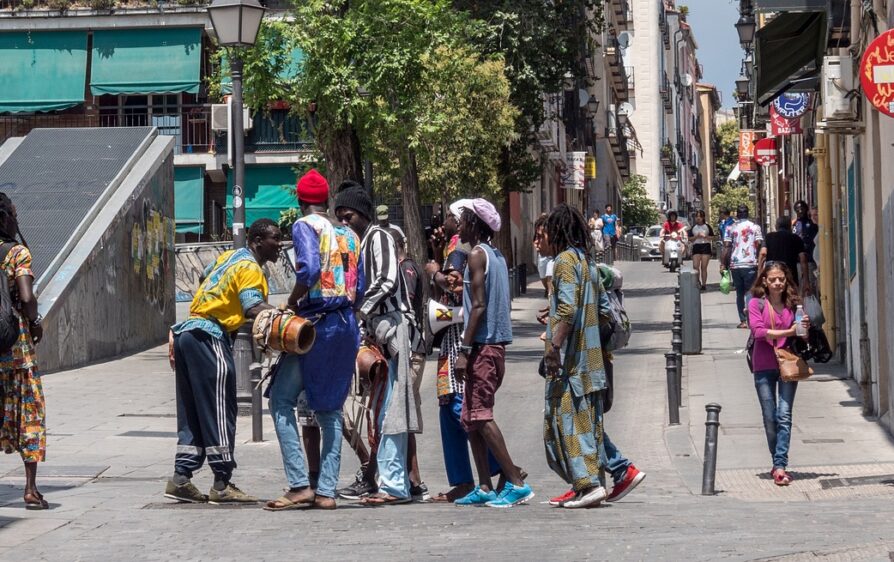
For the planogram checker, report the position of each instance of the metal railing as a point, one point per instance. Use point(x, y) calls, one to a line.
point(631, 83)
point(64, 5)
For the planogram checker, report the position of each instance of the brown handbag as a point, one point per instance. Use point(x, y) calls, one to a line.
point(792, 367)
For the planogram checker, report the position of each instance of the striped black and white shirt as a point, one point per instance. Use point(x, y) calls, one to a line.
point(385, 291)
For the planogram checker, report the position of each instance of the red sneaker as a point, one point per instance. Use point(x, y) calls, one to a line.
point(559, 500)
point(631, 480)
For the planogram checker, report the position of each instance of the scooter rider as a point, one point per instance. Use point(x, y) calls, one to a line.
point(670, 226)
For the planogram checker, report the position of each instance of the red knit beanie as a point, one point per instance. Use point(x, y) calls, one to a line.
point(313, 188)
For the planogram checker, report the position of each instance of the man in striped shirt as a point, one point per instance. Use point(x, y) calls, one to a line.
point(387, 319)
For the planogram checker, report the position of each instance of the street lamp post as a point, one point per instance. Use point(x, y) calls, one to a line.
point(236, 24)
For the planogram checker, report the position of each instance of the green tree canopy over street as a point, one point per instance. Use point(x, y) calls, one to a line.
point(638, 209)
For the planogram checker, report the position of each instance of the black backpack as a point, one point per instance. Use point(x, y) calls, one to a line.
point(9, 322)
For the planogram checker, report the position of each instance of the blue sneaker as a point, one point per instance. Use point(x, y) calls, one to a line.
point(476, 498)
point(512, 495)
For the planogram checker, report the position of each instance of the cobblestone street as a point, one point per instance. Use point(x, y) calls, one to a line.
point(112, 437)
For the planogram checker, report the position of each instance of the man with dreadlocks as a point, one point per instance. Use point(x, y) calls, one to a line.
point(482, 360)
point(573, 431)
point(234, 288)
point(24, 428)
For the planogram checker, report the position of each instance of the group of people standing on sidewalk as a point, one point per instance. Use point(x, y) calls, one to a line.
point(769, 295)
point(358, 287)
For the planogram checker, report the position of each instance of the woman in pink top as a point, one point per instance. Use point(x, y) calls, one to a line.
point(771, 317)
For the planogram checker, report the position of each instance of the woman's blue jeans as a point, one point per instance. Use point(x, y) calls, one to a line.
point(776, 398)
point(284, 392)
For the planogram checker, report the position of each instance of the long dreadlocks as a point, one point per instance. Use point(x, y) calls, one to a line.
point(567, 228)
point(9, 225)
point(477, 225)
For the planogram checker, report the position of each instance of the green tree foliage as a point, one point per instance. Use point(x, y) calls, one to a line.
point(729, 149)
point(730, 197)
point(637, 207)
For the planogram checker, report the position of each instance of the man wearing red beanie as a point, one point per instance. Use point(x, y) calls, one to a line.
point(313, 188)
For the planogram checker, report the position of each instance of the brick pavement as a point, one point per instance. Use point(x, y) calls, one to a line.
point(111, 448)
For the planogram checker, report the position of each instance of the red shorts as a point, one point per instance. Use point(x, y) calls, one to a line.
point(484, 375)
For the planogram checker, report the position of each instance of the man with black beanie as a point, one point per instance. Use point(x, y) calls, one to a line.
point(386, 319)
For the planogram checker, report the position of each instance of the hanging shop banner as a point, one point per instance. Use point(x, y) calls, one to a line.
point(746, 150)
point(791, 106)
point(783, 126)
point(877, 73)
point(574, 177)
point(590, 167)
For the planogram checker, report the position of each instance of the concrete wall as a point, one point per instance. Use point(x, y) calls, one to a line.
point(114, 294)
point(192, 259)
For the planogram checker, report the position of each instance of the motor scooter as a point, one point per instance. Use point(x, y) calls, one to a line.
point(673, 252)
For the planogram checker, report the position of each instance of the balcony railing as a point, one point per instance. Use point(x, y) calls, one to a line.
point(100, 5)
point(631, 83)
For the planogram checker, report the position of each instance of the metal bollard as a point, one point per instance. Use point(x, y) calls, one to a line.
point(673, 404)
point(257, 407)
point(712, 424)
point(242, 358)
point(677, 347)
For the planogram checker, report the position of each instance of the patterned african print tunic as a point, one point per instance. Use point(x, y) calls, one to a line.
point(573, 430)
point(24, 415)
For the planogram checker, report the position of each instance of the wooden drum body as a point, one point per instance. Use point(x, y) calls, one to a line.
point(284, 331)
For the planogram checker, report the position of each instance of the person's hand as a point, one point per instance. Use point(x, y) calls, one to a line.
point(455, 282)
point(552, 361)
point(36, 333)
point(808, 292)
point(542, 315)
point(459, 368)
point(171, 348)
point(431, 268)
point(805, 321)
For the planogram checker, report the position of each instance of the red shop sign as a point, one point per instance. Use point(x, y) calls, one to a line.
point(782, 126)
point(877, 73)
point(765, 152)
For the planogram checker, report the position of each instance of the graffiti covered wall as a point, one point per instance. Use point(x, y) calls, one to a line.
point(192, 259)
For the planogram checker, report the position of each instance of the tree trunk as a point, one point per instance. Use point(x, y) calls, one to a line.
point(409, 190)
point(341, 148)
point(503, 238)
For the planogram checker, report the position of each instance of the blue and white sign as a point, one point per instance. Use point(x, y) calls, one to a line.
point(792, 105)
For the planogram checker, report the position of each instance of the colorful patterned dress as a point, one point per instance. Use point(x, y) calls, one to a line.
point(24, 414)
point(447, 385)
point(573, 430)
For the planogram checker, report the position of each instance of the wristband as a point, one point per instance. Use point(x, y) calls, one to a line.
point(465, 350)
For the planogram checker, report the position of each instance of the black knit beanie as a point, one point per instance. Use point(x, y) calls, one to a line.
point(352, 195)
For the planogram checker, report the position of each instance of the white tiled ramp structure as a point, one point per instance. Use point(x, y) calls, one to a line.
point(810, 483)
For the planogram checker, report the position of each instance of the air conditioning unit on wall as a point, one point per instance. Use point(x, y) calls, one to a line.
point(837, 83)
point(219, 117)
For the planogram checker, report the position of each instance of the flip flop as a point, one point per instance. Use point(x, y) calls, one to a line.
point(384, 499)
point(37, 503)
point(286, 504)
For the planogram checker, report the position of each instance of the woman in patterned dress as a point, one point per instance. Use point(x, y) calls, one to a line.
point(23, 429)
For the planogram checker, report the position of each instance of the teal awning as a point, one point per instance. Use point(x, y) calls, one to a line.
point(42, 70)
point(289, 69)
point(268, 190)
point(146, 61)
point(189, 199)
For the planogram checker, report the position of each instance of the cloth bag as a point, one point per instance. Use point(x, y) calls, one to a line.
point(792, 367)
point(726, 282)
point(814, 311)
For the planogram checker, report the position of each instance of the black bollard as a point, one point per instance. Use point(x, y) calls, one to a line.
point(673, 404)
point(677, 347)
point(712, 425)
point(242, 358)
point(257, 407)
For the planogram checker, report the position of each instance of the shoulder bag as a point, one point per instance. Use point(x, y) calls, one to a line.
point(792, 367)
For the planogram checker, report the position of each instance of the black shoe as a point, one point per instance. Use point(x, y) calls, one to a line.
point(420, 493)
point(359, 489)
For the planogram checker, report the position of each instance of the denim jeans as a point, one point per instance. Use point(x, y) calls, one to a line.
point(284, 392)
point(776, 398)
point(392, 453)
point(743, 279)
point(613, 461)
point(455, 443)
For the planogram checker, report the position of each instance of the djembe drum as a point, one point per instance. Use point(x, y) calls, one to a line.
point(281, 330)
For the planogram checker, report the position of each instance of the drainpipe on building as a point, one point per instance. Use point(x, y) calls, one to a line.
point(827, 266)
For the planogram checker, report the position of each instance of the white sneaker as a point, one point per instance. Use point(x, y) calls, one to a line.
point(591, 498)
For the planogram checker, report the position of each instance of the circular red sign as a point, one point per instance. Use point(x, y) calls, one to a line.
point(877, 73)
point(765, 152)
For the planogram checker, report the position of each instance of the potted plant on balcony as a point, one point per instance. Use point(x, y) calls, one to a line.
point(667, 155)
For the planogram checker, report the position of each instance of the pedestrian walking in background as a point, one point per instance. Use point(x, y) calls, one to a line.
point(328, 285)
point(416, 284)
point(787, 247)
point(23, 428)
point(481, 363)
point(544, 260)
point(611, 226)
point(701, 235)
point(598, 238)
point(806, 228)
point(234, 288)
point(741, 243)
point(725, 222)
point(446, 273)
point(387, 322)
point(771, 314)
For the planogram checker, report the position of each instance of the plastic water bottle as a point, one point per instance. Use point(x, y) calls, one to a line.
point(800, 330)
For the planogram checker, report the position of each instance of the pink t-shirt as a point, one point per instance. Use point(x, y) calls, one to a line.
point(764, 358)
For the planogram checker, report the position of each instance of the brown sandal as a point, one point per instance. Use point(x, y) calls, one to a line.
point(283, 503)
point(382, 498)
